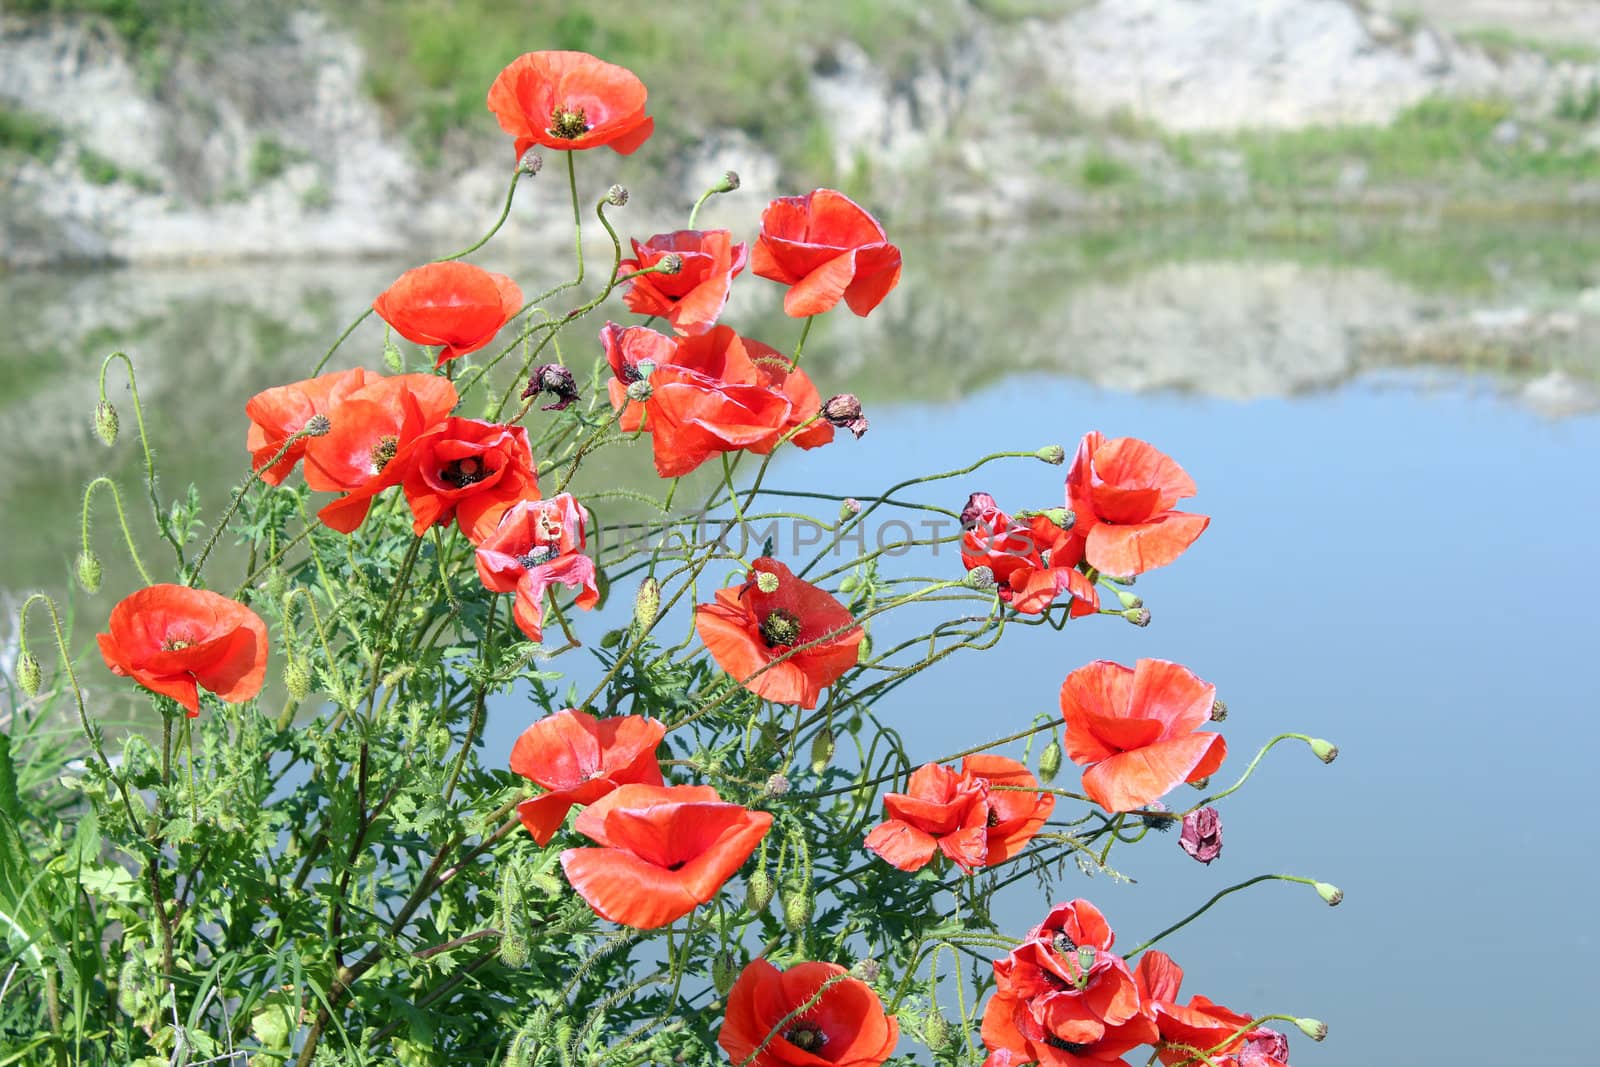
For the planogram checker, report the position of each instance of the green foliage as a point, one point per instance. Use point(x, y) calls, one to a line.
point(1503, 43)
point(270, 158)
point(28, 134)
point(1100, 171)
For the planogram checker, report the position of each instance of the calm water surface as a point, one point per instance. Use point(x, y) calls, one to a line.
point(1400, 467)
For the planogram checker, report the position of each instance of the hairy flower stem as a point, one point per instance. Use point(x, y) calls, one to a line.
point(122, 520)
point(505, 213)
point(162, 524)
point(238, 498)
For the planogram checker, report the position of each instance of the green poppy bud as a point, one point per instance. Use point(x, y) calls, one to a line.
point(729, 182)
point(822, 747)
point(1331, 893)
point(646, 604)
point(936, 1032)
point(277, 585)
point(1326, 751)
point(89, 571)
point(797, 907)
point(27, 672)
point(105, 422)
point(1315, 1029)
point(758, 891)
point(1129, 600)
point(1064, 518)
point(393, 358)
point(1054, 455)
point(724, 970)
point(1050, 762)
point(297, 679)
point(1138, 616)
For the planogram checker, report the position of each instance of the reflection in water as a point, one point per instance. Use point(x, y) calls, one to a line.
point(1349, 585)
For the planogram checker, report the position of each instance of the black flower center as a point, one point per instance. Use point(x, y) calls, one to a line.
point(384, 451)
point(1063, 944)
point(780, 628)
point(464, 471)
point(536, 555)
point(993, 819)
point(568, 123)
point(1074, 1047)
point(807, 1037)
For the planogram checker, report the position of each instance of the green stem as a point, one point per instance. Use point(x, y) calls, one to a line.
point(238, 498)
point(144, 443)
point(505, 212)
point(122, 520)
point(1202, 909)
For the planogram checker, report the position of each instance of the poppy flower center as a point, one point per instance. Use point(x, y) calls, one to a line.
point(176, 644)
point(807, 1037)
point(568, 123)
point(1074, 1047)
point(993, 819)
point(780, 628)
point(384, 451)
point(536, 555)
point(465, 471)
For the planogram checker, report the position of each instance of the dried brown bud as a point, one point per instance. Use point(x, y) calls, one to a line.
point(556, 380)
point(1202, 835)
point(844, 411)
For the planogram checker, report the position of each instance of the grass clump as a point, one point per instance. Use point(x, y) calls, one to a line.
point(25, 133)
point(1502, 43)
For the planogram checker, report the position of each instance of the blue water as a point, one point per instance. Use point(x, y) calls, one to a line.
point(1404, 571)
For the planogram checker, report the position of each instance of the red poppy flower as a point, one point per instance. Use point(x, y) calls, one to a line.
point(453, 304)
point(826, 247)
point(1033, 564)
point(279, 413)
point(1122, 492)
point(747, 628)
point(1014, 815)
point(1134, 730)
point(1063, 997)
point(1263, 1047)
point(663, 851)
point(470, 471)
point(539, 543)
point(711, 393)
point(939, 811)
point(1200, 1024)
point(846, 1027)
point(692, 299)
point(580, 759)
point(368, 446)
point(571, 101)
point(174, 640)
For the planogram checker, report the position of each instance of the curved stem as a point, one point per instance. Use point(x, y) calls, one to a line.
point(1202, 909)
point(122, 520)
point(144, 443)
point(505, 212)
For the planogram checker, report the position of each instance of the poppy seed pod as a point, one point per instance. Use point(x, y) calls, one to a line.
point(1064, 519)
point(617, 196)
point(105, 422)
point(556, 380)
point(317, 425)
point(729, 182)
point(1330, 893)
point(28, 675)
point(867, 970)
point(758, 891)
point(767, 582)
point(844, 411)
point(1326, 751)
point(531, 163)
point(671, 263)
point(1129, 601)
point(981, 578)
point(777, 785)
point(640, 391)
point(1157, 823)
point(1138, 616)
point(849, 506)
point(1050, 761)
point(1054, 455)
point(1219, 711)
point(89, 571)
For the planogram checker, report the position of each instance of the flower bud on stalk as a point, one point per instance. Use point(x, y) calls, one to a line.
point(1202, 835)
point(277, 585)
point(936, 1034)
point(1138, 616)
point(797, 909)
point(1129, 601)
point(297, 678)
point(531, 163)
point(777, 785)
point(1315, 1029)
point(758, 891)
point(393, 358)
point(1050, 762)
point(28, 674)
point(729, 182)
point(1330, 893)
point(724, 970)
point(89, 571)
point(821, 750)
point(646, 605)
point(1326, 751)
point(105, 422)
point(617, 196)
point(1054, 455)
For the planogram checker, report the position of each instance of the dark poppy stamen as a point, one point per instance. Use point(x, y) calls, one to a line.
point(568, 123)
point(806, 1037)
point(464, 472)
point(1074, 1047)
point(384, 451)
point(1063, 944)
point(780, 628)
point(536, 555)
point(993, 819)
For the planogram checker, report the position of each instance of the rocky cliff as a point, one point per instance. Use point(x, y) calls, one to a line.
point(272, 147)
